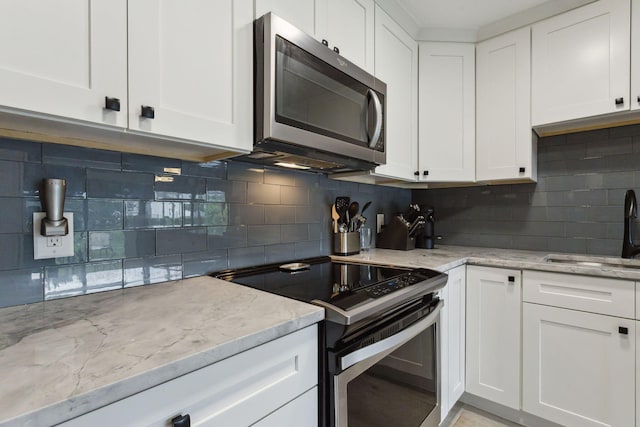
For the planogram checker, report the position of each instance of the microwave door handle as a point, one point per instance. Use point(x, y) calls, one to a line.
point(377, 108)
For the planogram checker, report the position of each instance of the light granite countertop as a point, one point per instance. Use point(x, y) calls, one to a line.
point(60, 359)
point(444, 258)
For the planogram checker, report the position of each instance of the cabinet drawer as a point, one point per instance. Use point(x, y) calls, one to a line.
point(237, 391)
point(638, 307)
point(593, 294)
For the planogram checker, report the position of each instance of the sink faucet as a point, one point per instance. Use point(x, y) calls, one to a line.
point(629, 249)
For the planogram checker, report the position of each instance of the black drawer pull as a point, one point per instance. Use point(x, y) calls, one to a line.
point(619, 101)
point(425, 173)
point(325, 42)
point(336, 50)
point(181, 421)
point(147, 112)
point(417, 173)
point(623, 330)
point(522, 170)
point(511, 279)
point(112, 104)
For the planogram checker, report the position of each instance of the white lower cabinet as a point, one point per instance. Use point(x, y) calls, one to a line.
point(272, 384)
point(493, 334)
point(578, 368)
point(452, 340)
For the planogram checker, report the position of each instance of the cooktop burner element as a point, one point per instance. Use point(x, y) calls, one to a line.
point(349, 292)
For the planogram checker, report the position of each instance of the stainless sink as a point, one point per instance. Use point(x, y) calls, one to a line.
point(593, 261)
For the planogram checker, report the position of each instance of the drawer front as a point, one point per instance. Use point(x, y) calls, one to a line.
point(593, 294)
point(239, 390)
point(638, 310)
point(302, 412)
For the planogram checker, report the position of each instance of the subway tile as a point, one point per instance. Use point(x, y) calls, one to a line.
point(20, 150)
point(31, 175)
point(155, 165)
point(616, 231)
point(279, 214)
point(310, 180)
point(309, 214)
point(610, 147)
point(263, 193)
point(238, 171)
point(567, 244)
point(294, 233)
point(21, 287)
point(149, 214)
point(294, 196)
point(308, 249)
point(116, 244)
point(87, 157)
point(587, 197)
point(622, 131)
point(201, 263)
point(246, 257)
point(279, 177)
point(228, 236)
point(279, 253)
point(618, 180)
point(105, 214)
point(12, 179)
point(103, 184)
point(589, 230)
point(263, 235)
point(204, 214)
point(12, 215)
point(317, 231)
point(79, 279)
point(226, 191)
point(246, 214)
point(145, 271)
point(608, 247)
point(599, 135)
point(180, 188)
point(214, 169)
point(530, 243)
point(181, 240)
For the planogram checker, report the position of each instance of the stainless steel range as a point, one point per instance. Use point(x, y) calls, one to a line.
point(379, 343)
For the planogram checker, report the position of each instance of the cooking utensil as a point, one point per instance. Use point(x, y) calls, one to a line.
point(335, 217)
point(354, 207)
point(342, 207)
point(364, 208)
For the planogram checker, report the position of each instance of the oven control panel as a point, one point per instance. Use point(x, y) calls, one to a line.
point(391, 285)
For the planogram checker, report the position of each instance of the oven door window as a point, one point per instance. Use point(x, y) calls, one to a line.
point(317, 97)
point(399, 390)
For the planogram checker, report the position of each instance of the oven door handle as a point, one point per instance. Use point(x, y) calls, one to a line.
point(392, 342)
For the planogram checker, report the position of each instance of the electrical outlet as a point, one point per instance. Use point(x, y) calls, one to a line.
point(51, 246)
point(379, 222)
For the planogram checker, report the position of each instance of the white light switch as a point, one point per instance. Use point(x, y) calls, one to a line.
point(51, 246)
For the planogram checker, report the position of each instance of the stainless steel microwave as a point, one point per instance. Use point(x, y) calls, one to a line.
point(313, 108)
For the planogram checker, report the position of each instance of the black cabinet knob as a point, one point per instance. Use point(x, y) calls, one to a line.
point(511, 279)
point(112, 104)
point(336, 50)
point(181, 421)
point(325, 42)
point(522, 170)
point(623, 330)
point(425, 173)
point(417, 173)
point(619, 101)
point(638, 99)
point(147, 111)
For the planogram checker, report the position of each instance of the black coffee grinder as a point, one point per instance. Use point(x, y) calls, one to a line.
point(425, 239)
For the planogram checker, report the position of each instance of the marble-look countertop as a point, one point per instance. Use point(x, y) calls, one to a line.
point(60, 359)
point(444, 258)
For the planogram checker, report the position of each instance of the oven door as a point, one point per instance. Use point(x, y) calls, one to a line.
point(394, 382)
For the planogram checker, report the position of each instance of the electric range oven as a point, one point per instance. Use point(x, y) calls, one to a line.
point(379, 342)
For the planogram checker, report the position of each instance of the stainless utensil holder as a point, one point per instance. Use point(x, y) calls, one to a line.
point(346, 243)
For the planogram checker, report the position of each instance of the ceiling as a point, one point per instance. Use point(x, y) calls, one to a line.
point(463, 14)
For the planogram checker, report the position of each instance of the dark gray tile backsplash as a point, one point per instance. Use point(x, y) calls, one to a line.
point(144, 219)
point(576, 205)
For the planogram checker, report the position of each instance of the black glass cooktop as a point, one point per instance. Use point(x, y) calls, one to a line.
point(342, 284)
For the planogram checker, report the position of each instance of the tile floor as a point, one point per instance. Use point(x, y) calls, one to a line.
point(468, 416)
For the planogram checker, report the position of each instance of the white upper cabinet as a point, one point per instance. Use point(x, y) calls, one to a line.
point(191, 61)
point(635, 60)
point(64, 58)
point(580, 63)
point(396, 64)
point(300, 13)
point(447, 112)
point(505, 145)
point(349, 25)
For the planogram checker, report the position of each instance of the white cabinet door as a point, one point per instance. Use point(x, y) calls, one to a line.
point(452, 340)
point(578, 368)
point(505, 147)
point(447, 129)
point(396, 64)
point(493, 334)
point(191, 61)
point(300, 13)
point(237, 391)
point(635, 56)
point(64, 58)
point(580, 63)
point(350, 26)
